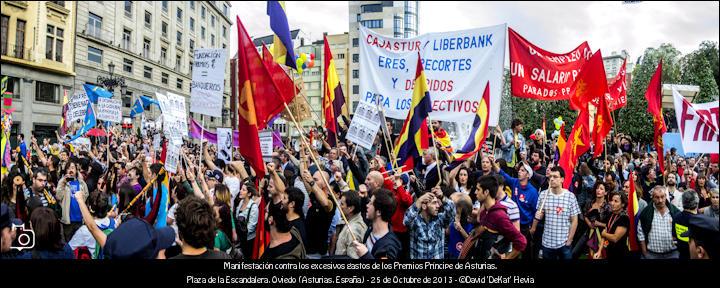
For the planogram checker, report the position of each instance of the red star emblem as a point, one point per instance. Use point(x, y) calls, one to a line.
point(558, 210)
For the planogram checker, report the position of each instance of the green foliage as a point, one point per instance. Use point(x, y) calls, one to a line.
point(698, 70)
point(634, 119)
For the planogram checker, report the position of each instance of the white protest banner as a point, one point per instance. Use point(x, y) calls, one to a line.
point(365, 124)
point(109, 109)
point(457, 66)
point(266, 144)
point(206, 96)
point(174, 113)
point(76, 107)
point(698, 124)
point(82, 143)
point(172, 157)
point(224, 144)
point(157, 141)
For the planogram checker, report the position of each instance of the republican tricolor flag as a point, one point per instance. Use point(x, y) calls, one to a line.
point(414, 138)
point(479, 129)
point(333, 100)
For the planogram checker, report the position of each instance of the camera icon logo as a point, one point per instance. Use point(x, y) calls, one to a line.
point(25, 238)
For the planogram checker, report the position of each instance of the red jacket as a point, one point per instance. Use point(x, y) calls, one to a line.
point(403, 199)
point(497, 219)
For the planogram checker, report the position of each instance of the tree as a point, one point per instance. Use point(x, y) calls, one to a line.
point(531, 111)
point(634, 120)
point(698, 70)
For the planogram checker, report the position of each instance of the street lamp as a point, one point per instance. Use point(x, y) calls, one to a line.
point(112, 81)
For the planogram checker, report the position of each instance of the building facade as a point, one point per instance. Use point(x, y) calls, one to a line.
point(150, 44)
point(392, 18)
point(38, 56)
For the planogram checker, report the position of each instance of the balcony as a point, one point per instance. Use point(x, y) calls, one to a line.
point(94, 32)
point(18, 51)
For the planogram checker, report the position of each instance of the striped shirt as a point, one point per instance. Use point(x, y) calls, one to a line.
point(559, 209)
point(660, 236)
point(513, 210)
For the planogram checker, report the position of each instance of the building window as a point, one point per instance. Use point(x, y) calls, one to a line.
point(372, 23)
point(190, 68)
point(356, 90)
point(164, 29)
point(126, 41)
point(164, 78)
point(192, 24)
point(356, 73)
point(397, 24)
point(128, 9)
point(358, 18)
point(178, 62)
point(355, 42)
point(54, 40)
point(127, 99)
point(47, 92)
point(127, 65)
point(20, 39)
point(94, 25)
point(202, 12)
point(212, 40)
point(179, 84)
point(179, 15)
point(341, 56)
point(192, 45)
point(148, 19)
point(225, 10)
point(212, 20)
point(192, 5)
point(95, 55)
point(371, 8)
point(356, 58)
point(13, 86)
point(179, 38)
point(202, 32)
point(5, 32)
point(165, 6)
point(146, 48)
point(148, 72)
point(224, 32)
point(59, 3)
point(163, 55)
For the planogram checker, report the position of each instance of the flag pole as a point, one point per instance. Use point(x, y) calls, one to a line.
point(437, 154)
point(202, 130)
point(386, 137)
point(312, 155)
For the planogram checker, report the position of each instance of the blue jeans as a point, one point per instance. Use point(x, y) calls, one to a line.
point(562, 253)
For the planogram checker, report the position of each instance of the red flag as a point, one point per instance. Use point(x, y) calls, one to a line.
point(262, 233)
point(603, 124)
point(333, 100)
point(269, 84)
point(632, 212)
point(654, 97)
point(253, 79)
point(591, 83)
point(282, 81)
point(618, 90)
point(578, 143)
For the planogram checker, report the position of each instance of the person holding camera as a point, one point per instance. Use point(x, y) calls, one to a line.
point(66, 189)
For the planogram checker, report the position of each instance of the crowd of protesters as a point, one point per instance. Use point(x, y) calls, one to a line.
point(107, 202)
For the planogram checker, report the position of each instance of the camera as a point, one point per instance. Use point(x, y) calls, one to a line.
point(25, 238)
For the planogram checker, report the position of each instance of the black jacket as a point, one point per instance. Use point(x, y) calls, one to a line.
point(386, 247)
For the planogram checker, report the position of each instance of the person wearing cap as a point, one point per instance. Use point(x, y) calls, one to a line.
point(525, 196)
point(703, 237)
point(134, 238)
point(681, 221)
point(8, 224)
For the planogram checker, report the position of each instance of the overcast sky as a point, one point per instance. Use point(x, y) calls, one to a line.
point(554, 26)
